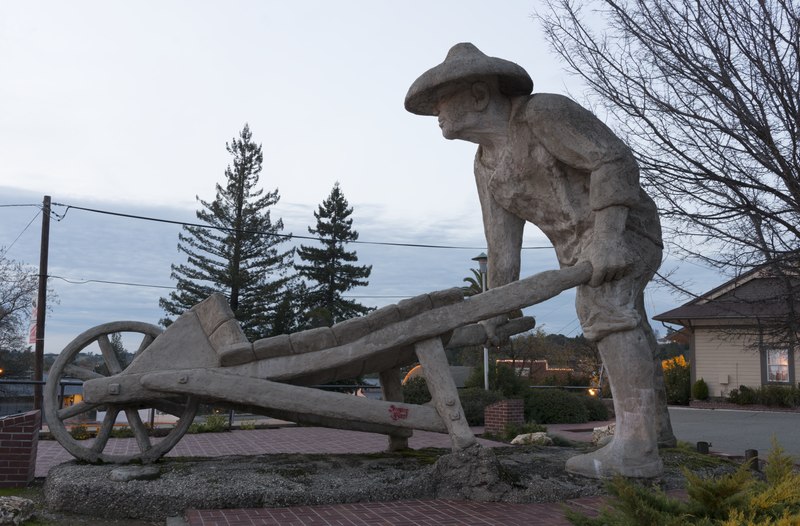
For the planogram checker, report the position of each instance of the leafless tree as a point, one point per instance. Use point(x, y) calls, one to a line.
point(708, 96)
point(18, 287)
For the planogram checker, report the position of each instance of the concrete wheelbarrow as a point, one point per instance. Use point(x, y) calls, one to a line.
point(204, 357)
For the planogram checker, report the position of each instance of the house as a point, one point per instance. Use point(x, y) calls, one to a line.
point(739, 332)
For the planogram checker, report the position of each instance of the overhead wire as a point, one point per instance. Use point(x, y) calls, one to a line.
point(258, 232)
point(81, 281)
point(6, 249)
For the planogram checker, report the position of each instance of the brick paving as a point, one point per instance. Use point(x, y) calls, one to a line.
point(408, 512)
point(289, 439)
point(321, 440)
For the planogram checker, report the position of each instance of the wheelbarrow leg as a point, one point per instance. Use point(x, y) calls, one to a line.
point(444, 392)
point(392, 390)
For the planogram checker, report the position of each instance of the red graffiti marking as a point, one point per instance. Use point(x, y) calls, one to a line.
point(398, 413)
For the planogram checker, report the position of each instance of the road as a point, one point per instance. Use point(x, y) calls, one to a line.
point(734, 431)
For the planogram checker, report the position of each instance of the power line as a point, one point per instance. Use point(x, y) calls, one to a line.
point(257, 232)
point(20, 234)
point(74, 281)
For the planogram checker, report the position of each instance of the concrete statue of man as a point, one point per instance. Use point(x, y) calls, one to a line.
point(543, 158)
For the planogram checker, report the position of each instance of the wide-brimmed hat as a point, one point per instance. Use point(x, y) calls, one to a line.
point(465, 62)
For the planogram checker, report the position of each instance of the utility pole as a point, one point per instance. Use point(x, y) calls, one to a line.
point(41, 304)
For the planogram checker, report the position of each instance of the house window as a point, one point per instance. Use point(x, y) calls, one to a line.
point(778, 365)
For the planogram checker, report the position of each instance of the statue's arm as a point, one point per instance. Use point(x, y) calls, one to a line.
point(503, 232)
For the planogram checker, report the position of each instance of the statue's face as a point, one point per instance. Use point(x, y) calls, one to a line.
point(457, 114)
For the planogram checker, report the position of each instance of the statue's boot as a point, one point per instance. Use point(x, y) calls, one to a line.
point(634, 450)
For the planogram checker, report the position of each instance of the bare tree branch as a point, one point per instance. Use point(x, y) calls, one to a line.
point(707, 94)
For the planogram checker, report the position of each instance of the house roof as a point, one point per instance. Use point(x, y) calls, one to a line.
point(758, 294)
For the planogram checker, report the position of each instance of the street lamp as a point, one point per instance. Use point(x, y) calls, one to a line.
point(482, 260)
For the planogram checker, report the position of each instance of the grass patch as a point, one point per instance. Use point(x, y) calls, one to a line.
point(684, 455)
point(424, 456)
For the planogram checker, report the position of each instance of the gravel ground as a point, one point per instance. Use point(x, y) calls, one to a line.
point(518, 474)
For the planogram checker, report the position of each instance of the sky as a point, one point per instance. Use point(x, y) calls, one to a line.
point(127, 107)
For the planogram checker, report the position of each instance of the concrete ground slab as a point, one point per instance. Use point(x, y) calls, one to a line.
point(731, 432)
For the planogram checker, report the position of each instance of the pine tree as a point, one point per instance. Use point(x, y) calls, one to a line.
point(238, 253)
point(330, 270)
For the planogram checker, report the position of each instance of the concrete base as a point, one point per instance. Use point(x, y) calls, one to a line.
point(292, 480)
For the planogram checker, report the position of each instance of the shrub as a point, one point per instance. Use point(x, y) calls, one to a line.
point(770, 395)
point(739, 498)
point(122, 432)
point(502, 378)
point(247, 425)
point(474, 400)
point(677, 380)
point(555, 406)
point(596, 410)
point(511, 431)
point(80, 432)
point(415, 391)
point(214, 423)
point(568, 380)
point(700, 390)
point(777, 395)
point(743, 396)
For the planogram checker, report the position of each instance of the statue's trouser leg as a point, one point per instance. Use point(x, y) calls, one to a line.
point(392, 390)
point(666, 437)
point(634, 451)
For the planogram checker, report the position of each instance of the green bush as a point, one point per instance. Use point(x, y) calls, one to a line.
point(555, 406)
point(769, 395)
point(774, 395)
point(596, 410)
point(677, 380)
point(80, 432)
point(122, 432)
point(214, 423)
point(511, 431)
point(735, 499)
point(502, 378)
point(700, 390)
point(474, 400)
point(415, 391)
point(568, 380)
point(743, 396)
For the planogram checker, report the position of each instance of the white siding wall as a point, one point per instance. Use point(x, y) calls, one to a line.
point(721, 354)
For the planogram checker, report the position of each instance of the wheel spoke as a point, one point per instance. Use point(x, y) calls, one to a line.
point(146, 341)
point(75, 410)
point(139, 429)
point(109, 356)
point(71, 364)
point(105, 430)
point(81, 373)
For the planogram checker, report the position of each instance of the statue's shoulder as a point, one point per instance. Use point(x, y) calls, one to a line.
point(551, 107)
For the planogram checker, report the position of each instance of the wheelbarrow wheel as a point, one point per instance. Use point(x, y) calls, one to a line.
point(97, 352)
